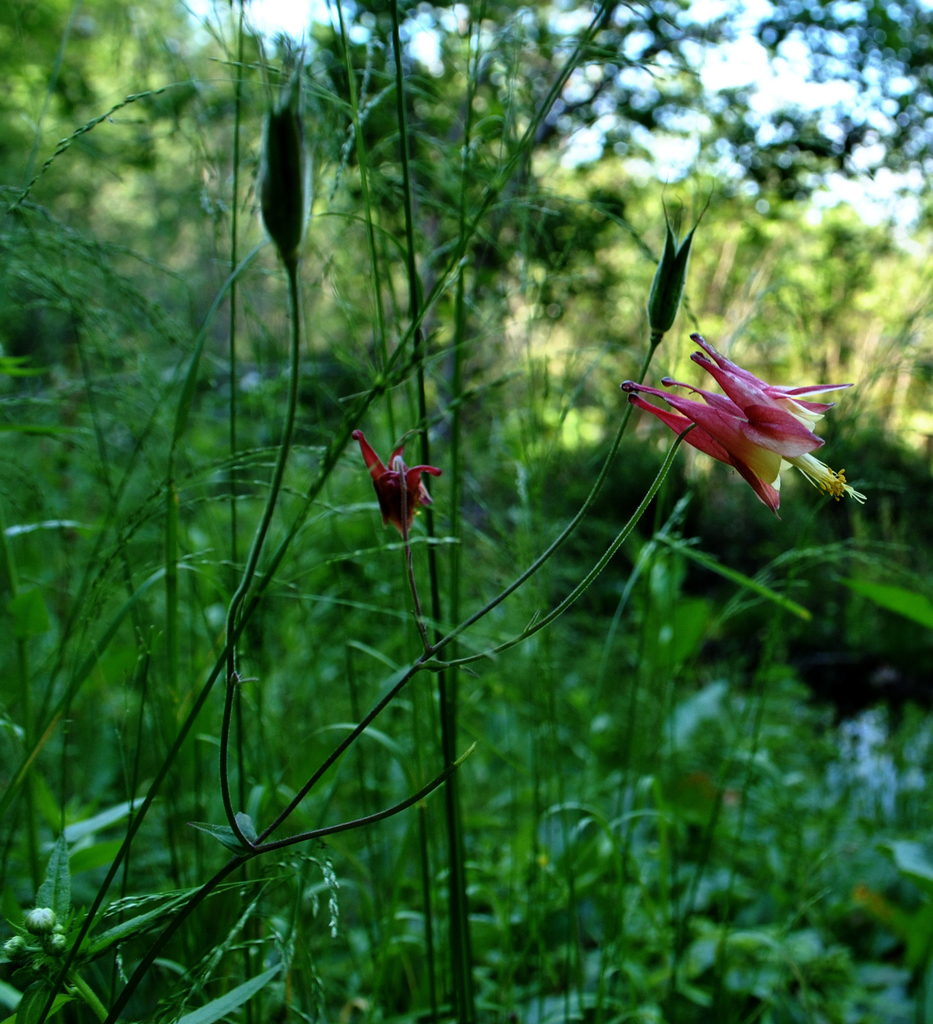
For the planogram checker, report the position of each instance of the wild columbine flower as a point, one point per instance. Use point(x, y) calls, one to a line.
point(388, 485)
point(757, 428)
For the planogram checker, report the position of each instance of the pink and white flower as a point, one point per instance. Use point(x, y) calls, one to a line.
point(757, 428)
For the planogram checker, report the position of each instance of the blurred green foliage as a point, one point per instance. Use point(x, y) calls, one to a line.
point(686, 803)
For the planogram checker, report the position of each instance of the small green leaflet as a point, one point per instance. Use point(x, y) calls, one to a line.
point(55, 891)
point(224, 834)
point(227, 1004)
point(910, 604)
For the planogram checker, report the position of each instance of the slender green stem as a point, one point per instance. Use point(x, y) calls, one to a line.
point(448, 683)
point(232, 417)
point(88, 994)
point(361, 159)
point(278, 474)
point(459, 919)
point(171, 577)
point(231, 354)
point(428, 912)
point(369, 819)
point(26, 708)
point(142, 676)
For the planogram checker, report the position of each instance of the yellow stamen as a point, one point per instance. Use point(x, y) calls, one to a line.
point(825, 479)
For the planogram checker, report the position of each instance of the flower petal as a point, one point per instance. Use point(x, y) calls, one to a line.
point(779, 431)
point(372, 460)
point(767, 493)
point(697, 437)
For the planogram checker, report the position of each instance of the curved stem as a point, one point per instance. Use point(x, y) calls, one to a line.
point(370, 819)
point(409, 567)
point(209, 886)
point(564, 534)
point(278, 473)
point(595, 571)
point(88, 994)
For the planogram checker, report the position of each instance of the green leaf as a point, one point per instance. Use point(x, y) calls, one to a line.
point(910, 604)
point(9, 996)
point(736, 577)
point(55, 891)
point(30, 616)
point(100, 821)
point(245, 823)
point(138, 925)
point(12, 366)
point(33, 1003)
point(224, 834)
point(213, 1011)
point(10, 908)
point(690, 714)
point(48, 524)
point(911, 862)
point(96, 856)
point(44, 730)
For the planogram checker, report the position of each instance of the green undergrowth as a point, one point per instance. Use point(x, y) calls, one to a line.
point(700, 794)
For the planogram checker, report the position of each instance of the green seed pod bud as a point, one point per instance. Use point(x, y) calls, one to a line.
point(40, 921)
point(285, 174)
point(15, 948)
point(55, 944)
point(670, 279)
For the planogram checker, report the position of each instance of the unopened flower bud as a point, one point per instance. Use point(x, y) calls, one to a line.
point(40, 921)
point(55, 944)
point(285, 175)
point(667, 288)
point(15, 947)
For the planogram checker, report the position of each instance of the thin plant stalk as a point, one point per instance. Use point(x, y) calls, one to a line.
point(459, 924)
point(422, 810)
point(25, 697)
point(233, 444)
point(461, 969)
point(361, 159)
point(278, 473)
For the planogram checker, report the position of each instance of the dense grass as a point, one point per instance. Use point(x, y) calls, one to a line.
point(698, 794)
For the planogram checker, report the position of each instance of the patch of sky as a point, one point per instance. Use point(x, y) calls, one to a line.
point(587, 144)
point(455, 19)
point(636, 43)
point(423, 40)
point(569, 19)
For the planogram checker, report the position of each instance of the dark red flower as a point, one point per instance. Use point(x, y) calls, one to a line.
point(388, 485)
